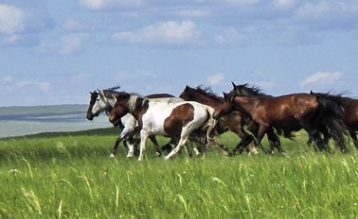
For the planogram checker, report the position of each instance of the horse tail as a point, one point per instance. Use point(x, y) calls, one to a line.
point(331, 117)
point(210, 124)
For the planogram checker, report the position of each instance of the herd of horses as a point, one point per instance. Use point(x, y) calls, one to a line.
point(198, 115)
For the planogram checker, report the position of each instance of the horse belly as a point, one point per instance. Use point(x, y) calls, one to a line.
point(180, 116)
point(153, 120)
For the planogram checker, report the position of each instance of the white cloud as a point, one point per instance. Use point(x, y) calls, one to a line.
point(12, 19)
point(216, 79)
point(43, 86)
point(14, 85)
point(7, 78)
point(230, 37)
point(284, 4)
point(67, 44)
point(97, 5)
point(243, 2)
point(322, 78)
point(169, 32)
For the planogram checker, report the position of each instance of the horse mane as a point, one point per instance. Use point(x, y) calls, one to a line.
point(251, 90)
point(337, 98)
point(208, 92)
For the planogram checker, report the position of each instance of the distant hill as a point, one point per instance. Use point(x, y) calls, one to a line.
point(18, 121)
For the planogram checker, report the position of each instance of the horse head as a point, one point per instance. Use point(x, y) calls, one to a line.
point(117, 112)
point(225, 107)
point(93, 99)
point(188, 93)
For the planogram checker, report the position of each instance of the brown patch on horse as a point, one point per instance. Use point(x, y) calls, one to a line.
point(180, 116)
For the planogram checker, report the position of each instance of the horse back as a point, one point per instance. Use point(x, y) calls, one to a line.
point(294, 106)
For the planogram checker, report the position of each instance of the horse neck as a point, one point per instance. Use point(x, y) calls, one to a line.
point(204, 99)
point(132, 105)
point(245, 104)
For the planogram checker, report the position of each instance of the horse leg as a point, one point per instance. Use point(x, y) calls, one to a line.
point(183, 138)
point(260, 135)
point(354, 137)
point(169, 146)
point(339, 138)
point(158, 149)
point(175, 151)
point(244, 142)
point(274, 141)
point(115, 147)
point(143, 139)
point(130, 145)
point(320, 144)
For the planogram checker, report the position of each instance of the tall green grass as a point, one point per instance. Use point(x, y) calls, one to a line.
point(71, 176)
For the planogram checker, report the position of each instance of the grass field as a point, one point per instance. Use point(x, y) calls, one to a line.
point(69, 175)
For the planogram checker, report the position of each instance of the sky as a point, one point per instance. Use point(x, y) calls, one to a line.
point(55, 52)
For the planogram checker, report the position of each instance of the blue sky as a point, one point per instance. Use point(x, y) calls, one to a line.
point(55, 52)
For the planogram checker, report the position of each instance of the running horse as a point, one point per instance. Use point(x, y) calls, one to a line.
point(234, 121)
point(103, 101)
point(158, 117)
point(289, 113)
point(350, 106)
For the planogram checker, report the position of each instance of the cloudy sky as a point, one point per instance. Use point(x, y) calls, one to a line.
point(55, 52)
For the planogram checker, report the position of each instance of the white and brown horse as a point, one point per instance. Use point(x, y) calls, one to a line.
point(103, 100)
point(167, 118)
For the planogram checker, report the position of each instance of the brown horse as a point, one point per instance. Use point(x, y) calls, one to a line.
point(350, 106)
point(289, 113)
point(234, 121)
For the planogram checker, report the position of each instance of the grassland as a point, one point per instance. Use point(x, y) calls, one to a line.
point(69, 175)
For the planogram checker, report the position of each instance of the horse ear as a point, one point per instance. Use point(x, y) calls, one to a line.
point(225, 95)
point(233, 84)
point(311, 92)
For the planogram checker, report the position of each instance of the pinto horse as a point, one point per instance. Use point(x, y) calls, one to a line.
point(158, 117)
point(288, 113)
point(233, 121)
point(103, 101)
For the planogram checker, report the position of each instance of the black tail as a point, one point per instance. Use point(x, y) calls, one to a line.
point(330, 119)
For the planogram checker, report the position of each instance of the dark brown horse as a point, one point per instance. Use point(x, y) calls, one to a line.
point(350, 106)
point(234, 121)
point(289, 113)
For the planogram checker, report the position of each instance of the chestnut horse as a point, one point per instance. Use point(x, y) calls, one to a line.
point(234, 121)
point(158, 117)
point(103, 101)
point(289, 113)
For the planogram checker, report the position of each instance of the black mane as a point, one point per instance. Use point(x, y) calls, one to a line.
point(250, 90)
point(208, 92)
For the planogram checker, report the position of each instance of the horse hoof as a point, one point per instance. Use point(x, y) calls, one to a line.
point(231, 154)
point(157, 154)
point(112, 156)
